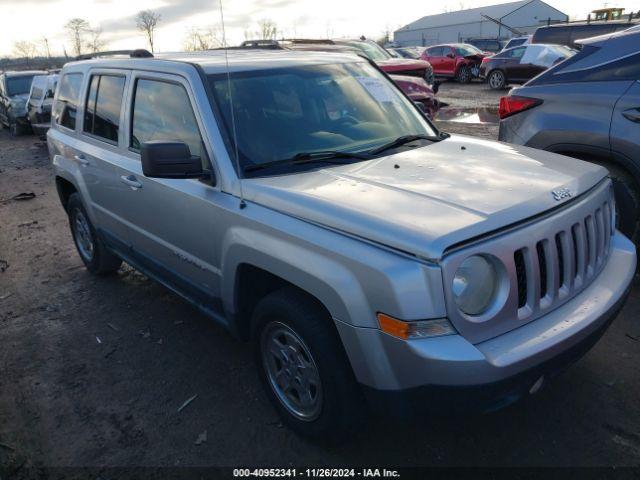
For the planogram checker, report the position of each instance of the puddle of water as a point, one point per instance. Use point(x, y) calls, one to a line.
point(468, 115)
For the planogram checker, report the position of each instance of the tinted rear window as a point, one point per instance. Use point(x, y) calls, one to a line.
point(66, 106)
point(104, 101)
point(626, 68)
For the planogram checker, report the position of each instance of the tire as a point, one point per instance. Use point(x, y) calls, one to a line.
point(291, 330)
point(15, 130)
point(94, 254)
point(464, 74)
point(496, 80)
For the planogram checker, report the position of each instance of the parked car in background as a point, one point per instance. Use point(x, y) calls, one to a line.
point(287, 196)
point(40, 101)
point(457, 61)
point(406, 52)
point(521, 64)
point(14, 91)
point(415, 67)
point(489, 45)
point(569, 34)
point(414, 77)
point(587, 107)
point(516, 42)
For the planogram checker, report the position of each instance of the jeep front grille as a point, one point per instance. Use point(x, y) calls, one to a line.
point(563, 263)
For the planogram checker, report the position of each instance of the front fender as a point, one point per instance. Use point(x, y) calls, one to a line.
point(328, 281)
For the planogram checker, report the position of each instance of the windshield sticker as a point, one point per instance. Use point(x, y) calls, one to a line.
point(377, 88)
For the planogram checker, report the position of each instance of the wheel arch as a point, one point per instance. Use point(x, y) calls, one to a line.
point(249, 273)
point(65, 189)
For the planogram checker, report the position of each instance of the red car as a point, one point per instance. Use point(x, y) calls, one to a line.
point(458, 61)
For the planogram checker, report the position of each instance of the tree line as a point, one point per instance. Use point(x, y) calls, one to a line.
point(85, 38)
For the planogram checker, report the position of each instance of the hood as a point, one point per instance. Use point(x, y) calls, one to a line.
point(402, 64)
point(20, 98)
point(412, 85)
point(438, 196)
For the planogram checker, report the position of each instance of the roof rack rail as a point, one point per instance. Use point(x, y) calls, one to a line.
point(268, 44)
point(138, 53)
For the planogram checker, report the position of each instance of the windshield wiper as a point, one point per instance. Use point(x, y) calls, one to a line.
point(329, 156)
point(402, 141)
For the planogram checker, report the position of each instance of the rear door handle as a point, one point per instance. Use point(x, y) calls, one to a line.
point(81, 159)
point(632, 114)
point(131, 181)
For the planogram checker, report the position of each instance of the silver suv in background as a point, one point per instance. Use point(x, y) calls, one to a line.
point(305, 203)
point(587, 107)
point(40, 101)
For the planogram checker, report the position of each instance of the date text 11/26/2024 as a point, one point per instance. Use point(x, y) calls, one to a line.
point(316, 473)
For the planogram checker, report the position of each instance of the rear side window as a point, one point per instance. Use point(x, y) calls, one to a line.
point(435, 52)
point(162, 111)
point(104, 102)
point(66, 106)
point(36, 93)
point(621, 69)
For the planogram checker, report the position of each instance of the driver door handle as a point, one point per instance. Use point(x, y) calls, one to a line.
point(632, 114)
point(81, 159)
point(131, 181)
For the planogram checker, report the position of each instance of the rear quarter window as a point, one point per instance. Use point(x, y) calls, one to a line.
point(626, 68)
point(66, 106)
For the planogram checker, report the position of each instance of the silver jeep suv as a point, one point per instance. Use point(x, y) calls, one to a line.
point(302, 201)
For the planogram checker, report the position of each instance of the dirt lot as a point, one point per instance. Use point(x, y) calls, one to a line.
point(94, 370)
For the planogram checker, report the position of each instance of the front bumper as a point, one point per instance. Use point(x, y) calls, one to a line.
point(497, 371)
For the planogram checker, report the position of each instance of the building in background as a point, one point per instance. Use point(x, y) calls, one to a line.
point(492, 22)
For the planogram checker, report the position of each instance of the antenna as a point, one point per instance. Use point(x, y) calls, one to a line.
point(233, 116)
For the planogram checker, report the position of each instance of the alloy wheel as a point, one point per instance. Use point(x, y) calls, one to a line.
point(496, 80)
point(291, 370)
point(82, 235)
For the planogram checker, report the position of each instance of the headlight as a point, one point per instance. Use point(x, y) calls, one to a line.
point(475, 285)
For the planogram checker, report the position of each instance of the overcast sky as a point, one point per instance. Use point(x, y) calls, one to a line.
point(33, 20)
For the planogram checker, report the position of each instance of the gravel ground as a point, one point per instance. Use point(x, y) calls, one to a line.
point(93, 370)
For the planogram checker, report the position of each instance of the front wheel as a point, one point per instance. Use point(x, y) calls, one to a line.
point(15, 130)
point(464, 74)
point(497, 80)
point(303, 367)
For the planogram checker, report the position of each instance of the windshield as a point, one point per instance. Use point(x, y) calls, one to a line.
point(19, 85)
point(340, 107)
point(372, 50)
point(465, 50)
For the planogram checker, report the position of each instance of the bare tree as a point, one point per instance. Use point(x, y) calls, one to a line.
point(24, 49)
point(146, 21)
point(96, 43)
point(268, 29)
point(77, 29)
point(202, 39)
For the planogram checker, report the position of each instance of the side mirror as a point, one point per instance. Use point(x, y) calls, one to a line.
point(451, 55)
point(166, 159)
point(436, 86)
point(49, 94)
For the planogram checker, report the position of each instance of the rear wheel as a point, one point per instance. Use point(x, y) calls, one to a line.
point(497, 80)
point(464, 74)
point(303, 367)
point(93, 253)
